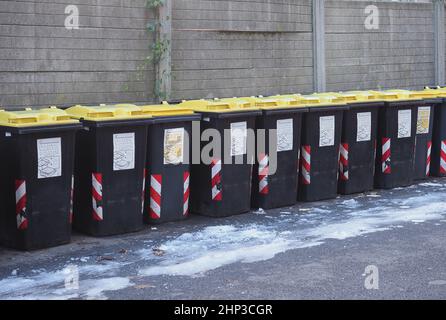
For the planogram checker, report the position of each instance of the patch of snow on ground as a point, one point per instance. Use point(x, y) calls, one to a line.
point(352, 203)
point(196, 252)
point(320, 210)
point(430, 184)
point(213, 247)
point(51, 285)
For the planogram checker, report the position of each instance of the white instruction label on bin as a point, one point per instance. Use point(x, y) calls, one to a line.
point(364, 127)
point(327, 131)
point(285, 135)
point(49, 156)
point(404, 123)
point(123, 151)
point(239, 135)
point(174, 146)
point(424, 117)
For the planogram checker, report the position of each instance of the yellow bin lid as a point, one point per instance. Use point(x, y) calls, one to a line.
point(35, 117)
point(264, 103)
point(351, 97)
point(440, 92)
point(219, 106)
point(429, 93)
point(395, 95)
point(281, 102)
point(253, 103)
point(239, 103)
point(361, 96)
point(323, 99)
point(161, 110)
point(290, 99)
point(107, 113)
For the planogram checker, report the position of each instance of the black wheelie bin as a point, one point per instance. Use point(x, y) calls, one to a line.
point(221, 176)
point(36, 174)
point(109, 169)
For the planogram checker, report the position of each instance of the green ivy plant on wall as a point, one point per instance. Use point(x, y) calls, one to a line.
point(153, 4)
point(157, 50)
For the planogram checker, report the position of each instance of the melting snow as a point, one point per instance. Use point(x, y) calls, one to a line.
point(214, 247)
point(431, 184)
point(52, 285)
point(195, 253)
point(260, 211)
point(352, 203)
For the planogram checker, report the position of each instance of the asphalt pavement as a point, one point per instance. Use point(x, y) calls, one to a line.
point(377, 245)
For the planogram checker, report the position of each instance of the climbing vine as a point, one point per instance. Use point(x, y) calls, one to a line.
point(153, 4)
point(157, 49)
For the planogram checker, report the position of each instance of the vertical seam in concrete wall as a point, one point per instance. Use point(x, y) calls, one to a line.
point(319, 72)
point(164, 68)
point(439, 29)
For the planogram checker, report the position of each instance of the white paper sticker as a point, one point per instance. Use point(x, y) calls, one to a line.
point(49, 155)
point(364, 127)
point(239, 135)
point(327, 131)
point(423, 121)
point(124, 151)
point(174, 146)
point(284, 135)
point(404, 123)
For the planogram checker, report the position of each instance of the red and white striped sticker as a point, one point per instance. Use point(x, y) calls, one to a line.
point(216, 180)
point(306, 165)
point(96, 179)
point(143, 189)
point(428, 160)
point(20, 204)
point(263, 174)
point(386, 153)
point(186, 193)
point(71, 199)
point(343, 162)
point(443, 157)
point(156, 181)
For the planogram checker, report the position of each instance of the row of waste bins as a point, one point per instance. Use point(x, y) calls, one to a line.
point(107, 169)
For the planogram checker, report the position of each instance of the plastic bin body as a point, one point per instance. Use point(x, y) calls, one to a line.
point(358, 147)
point(108, 192)
point(423, 143)
point(320, 161)
point(36, 186)
point(279, 189)
point(438, 158)
point(220, 189)
point(167, 194)
point(397, 124)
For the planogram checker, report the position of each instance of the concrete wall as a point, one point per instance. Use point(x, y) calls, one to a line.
point(398, 54)
point(42, 63)
point(220, 48)
point(236, 48)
